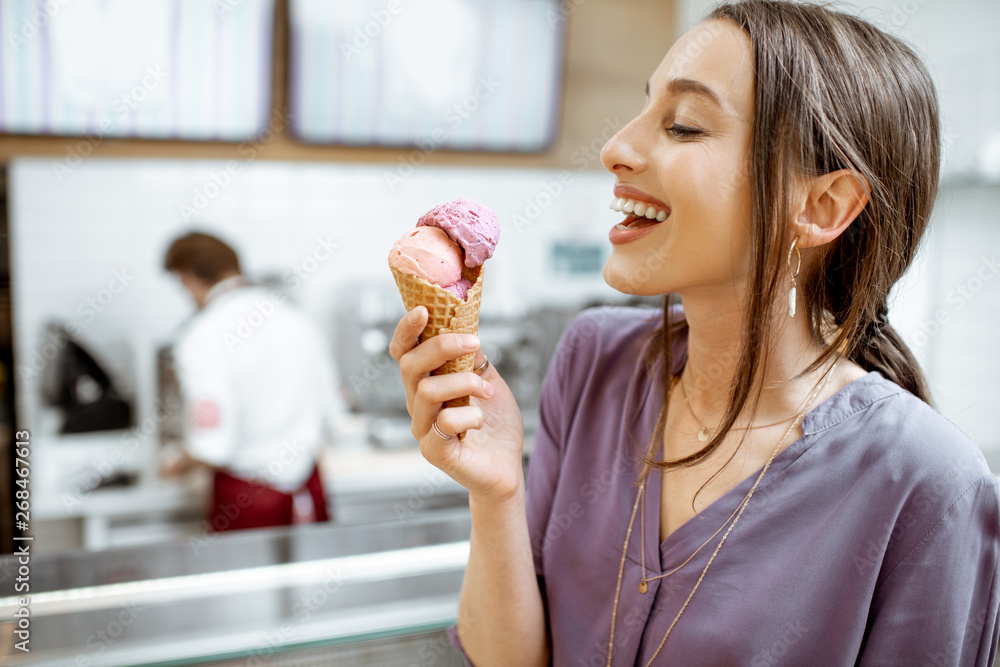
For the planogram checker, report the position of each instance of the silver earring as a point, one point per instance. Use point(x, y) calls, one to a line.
point(794, 274)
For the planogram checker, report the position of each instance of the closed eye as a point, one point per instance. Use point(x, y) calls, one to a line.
point(683, 131)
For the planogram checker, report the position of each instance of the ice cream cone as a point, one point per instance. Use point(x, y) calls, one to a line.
point(447, 314)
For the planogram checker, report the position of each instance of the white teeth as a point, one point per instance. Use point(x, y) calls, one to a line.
point(639, 208)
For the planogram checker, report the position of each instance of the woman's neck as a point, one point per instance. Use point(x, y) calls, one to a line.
point(713, 350)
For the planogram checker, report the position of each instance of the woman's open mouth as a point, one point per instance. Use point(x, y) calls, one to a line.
point(639, 215)
point(638, 211)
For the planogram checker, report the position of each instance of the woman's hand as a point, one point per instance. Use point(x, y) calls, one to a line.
point(487, 460)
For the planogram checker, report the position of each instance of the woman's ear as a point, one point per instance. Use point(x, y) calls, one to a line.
point(831, 203)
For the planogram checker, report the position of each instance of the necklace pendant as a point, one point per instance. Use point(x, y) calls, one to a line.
point(703, 435)
point(643, 587)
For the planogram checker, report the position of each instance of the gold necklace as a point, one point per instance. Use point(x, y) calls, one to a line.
point(703, 434)
point(738, 513)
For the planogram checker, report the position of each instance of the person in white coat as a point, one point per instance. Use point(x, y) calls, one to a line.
point(259, 389)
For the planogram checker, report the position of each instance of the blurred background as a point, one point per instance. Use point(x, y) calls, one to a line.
point(309, 135)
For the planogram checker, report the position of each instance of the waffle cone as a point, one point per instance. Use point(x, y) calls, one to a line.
point(448, 314)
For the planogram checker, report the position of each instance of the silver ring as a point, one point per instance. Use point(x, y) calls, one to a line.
point(481, 368)
point(441, 434)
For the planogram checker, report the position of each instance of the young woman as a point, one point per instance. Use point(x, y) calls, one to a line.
point(757, 478)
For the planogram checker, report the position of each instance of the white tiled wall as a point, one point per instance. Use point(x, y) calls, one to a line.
point(949, 310)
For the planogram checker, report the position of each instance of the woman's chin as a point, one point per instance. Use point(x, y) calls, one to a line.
point(635, 281)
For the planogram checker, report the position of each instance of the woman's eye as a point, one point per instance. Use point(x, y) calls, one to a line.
point(683, 132)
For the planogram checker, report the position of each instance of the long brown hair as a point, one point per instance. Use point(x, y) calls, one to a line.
point(831, 92)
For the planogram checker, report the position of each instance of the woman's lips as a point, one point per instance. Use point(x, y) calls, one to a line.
point(618, 236)
point(632, 229)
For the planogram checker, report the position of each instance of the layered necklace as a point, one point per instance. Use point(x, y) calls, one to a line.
point(730, 522)
point(704, 435)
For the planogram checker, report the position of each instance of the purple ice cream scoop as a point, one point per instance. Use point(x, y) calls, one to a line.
point(470, 225)
point(460, 288)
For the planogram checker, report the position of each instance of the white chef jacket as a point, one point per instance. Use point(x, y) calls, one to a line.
point(259, 386)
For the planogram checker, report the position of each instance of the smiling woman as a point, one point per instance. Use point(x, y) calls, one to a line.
point(810, 506)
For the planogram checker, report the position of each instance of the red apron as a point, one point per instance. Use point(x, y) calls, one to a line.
point(239, 504)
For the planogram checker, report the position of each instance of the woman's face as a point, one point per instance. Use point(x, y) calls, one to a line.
point(686, 155)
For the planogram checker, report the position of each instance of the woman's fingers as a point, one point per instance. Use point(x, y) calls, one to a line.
point(417, 364)
point(408, 332)
point(425, 393)
point(432, 391)
point(433, 353)
point(417, 360)
point(441, 446)
point(483, 367)
point(452, 421)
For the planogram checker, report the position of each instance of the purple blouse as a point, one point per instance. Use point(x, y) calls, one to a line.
point(874, 539)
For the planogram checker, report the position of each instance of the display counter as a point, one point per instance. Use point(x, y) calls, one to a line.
point(315, 594)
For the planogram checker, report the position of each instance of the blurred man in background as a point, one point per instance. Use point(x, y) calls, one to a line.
point(259, 390)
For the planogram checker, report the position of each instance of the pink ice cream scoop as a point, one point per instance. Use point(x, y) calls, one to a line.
point(429, 253)
point(469, 224)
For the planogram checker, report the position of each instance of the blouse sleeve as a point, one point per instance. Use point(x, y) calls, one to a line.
point(938, 605)
point(546, 456)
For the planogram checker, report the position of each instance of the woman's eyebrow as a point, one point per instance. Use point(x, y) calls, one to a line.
point(680, 86)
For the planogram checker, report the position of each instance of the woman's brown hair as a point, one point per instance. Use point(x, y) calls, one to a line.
point(831, 92)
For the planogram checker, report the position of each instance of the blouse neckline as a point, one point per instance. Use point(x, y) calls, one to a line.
point(853, 398)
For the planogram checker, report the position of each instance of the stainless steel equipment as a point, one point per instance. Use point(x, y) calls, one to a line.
point(171, 428)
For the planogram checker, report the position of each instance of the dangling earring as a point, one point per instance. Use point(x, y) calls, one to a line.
point(794, 274)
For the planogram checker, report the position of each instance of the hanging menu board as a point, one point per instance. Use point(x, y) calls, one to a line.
point(179, 69)
point(458, 74)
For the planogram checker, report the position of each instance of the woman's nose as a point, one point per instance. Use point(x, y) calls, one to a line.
point(622, 153)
